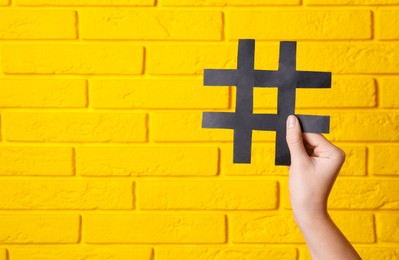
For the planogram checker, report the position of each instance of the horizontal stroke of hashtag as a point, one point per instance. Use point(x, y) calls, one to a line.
point(245, 78)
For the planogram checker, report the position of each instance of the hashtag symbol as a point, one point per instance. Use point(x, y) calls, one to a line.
point(245, 78)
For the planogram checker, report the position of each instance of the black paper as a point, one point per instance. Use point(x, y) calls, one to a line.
point(245, 78)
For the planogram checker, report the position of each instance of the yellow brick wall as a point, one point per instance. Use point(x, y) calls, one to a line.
point(102, 154)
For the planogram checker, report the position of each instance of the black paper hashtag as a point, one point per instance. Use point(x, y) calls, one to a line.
point(245, 78)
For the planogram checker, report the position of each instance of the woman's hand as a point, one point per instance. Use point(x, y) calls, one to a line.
point(315, 164)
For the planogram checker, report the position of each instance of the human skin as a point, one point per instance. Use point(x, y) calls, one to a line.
point(315, 164)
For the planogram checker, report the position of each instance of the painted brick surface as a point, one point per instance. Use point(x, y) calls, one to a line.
point(233, 253)
point(389, 93)
point(35, 161)
point(385, 232)
point(192, 59)
point(358, 92)
point(387, 24)
point(352, 2)
point(364, 194)
point(85, 3)
point(189, 59)
point(26, 229)
point(383, 253)
point(3, 254)
point(102, 154)
point(349, 58)
point(43, 93)
point(281, 228)
point(161, 93)
point(356, 126)
point(72, 59)
point(226, 2)
point(315, 24)
point(133, 161)
point(375, 194)
point(385, 160)
point(159, 25)
point(40, 24)
point(207, 195)
point(75, 127)
point(80, 253)
point(263, 161)
point(166, 127)
point(155, 228)
point(66, 195)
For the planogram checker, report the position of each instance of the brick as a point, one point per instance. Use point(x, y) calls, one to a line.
point(154, 228)
point(348, 58)
point(28, 229)
point(225, 253)
point(79, 253)
point(189, 59)
point(167, 127)
point(264, 228)
point(385, 160)
point(226, 2)
point(36, 161)
point(156, 93)
point(358, 92)
point(380, 253)
point(351, 2)
point(48, 93)
point(373, 252)
point(85, 2)
point(228, 195)
point(147, 161)
point(37, 24)
point(304, 253)
point(262, 162)
point(387, 24)
point(74, 126)
point(364, 126)
point(337, 58)
point(150, 25)
point(389, 94)
point(388, 228)
point(358, 228)
point(314, 24)
point(281, 228)
point(364, 194)
point(66, 195)
point(345, 126)
point(357, 194)
point(355, 161)
point(72, 59)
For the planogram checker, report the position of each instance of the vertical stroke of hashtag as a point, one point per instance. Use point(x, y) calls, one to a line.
point(245, 78)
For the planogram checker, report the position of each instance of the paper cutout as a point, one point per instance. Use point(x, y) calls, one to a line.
point(245, 78)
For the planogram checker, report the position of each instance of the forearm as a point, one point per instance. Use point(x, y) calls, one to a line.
point(325, 241)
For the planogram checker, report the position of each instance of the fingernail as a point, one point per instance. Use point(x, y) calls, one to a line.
point(291, 121)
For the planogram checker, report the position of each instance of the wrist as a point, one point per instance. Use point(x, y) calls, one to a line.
point(305, 217)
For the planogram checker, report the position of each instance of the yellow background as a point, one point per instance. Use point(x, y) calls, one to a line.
point(102, 154)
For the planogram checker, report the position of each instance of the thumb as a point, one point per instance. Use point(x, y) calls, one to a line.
point(295, 141)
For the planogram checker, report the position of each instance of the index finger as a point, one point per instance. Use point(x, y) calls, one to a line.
point(321, 145)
